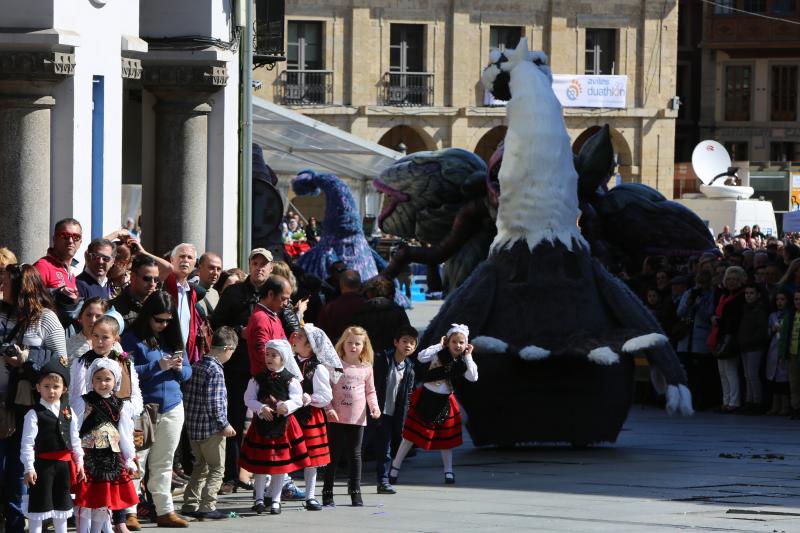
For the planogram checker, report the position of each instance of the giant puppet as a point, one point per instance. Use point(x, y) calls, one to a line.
point(554, 332)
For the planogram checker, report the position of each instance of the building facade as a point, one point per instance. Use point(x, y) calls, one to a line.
point(406, 74)
point(108, 106)
point(750, 65)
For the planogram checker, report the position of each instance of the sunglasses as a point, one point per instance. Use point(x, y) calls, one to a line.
point(67, 236)
point(149, 279)
point(161, 320)
point(101, 257)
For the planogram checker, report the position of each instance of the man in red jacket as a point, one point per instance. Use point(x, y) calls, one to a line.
point(265, 324)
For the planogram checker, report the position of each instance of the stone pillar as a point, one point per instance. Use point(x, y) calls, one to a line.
point(181, 169)
point(26, 80)
point(25, 174)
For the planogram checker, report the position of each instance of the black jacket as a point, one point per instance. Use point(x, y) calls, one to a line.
point(381, 318)
point(235, 306)
point(384, 361)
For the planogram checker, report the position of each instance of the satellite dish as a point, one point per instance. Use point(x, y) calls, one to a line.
point(710, 160)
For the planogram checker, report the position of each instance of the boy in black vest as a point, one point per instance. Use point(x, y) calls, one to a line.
point(51, 451)
point(394, 381)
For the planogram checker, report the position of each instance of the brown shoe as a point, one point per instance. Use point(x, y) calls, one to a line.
point(132, 522)
point(171, 520)
point(226, 488)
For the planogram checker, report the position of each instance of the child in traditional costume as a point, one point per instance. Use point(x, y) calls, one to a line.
point(320, 366)
point(274, 442)
point(51, 452)
point(106, 434)
point(434, 418)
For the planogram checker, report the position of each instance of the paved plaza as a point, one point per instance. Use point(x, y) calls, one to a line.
point(709, 472)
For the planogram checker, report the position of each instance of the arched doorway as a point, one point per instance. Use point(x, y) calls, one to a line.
point(622, 152)
point(489, 142)
point(411, 138)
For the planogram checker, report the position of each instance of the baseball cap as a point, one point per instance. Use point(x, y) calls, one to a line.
point(260, 251)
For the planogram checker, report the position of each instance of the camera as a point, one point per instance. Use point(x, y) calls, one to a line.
point(7, 349)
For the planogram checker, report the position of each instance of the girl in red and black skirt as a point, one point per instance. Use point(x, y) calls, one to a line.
point(274, 444)
point(434, 418)
point(106, 433)
point(320, 366)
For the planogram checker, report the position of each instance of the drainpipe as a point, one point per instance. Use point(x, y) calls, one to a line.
point(246, 137)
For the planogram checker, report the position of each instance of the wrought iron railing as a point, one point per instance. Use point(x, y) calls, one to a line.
point(407, 89)
point(305, 87)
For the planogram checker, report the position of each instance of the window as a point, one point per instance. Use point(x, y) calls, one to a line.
point(504, 37)
point(600, 51)
point(738, 150)
point(405, 48)
point(737, 92)
point(304, 46)
point(784, 7)
point(783, 95)
point(722, 7)
point(755, 6)
point(782, 151)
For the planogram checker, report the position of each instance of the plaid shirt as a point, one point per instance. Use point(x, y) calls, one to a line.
point(206, 399)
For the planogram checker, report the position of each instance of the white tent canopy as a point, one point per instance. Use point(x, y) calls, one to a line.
point(293, 142)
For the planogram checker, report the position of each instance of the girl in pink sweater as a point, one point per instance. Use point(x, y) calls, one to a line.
point(347, 412)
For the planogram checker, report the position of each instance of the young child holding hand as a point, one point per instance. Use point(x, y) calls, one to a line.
point(347, 412)
point(51, 452)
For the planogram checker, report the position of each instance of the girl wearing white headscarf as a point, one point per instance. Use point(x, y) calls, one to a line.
point(317, 360)
point(434, 418)
point(274, 442)
point(106, 433)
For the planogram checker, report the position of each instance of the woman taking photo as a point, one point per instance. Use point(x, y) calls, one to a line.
point(154, 342)
point(31, 334)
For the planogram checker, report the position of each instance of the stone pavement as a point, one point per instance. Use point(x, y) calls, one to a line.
point(709, 472)
point(663, 474)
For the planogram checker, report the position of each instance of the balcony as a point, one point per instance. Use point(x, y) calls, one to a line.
point(305, 87)
point(407, 89)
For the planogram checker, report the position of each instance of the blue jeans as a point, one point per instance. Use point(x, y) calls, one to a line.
point(11, 474)
point(380, 433)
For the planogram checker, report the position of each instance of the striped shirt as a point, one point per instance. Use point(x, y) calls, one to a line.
point(206, 399)
point(46, 332)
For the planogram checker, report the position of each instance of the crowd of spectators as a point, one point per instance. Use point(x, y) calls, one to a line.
point(731, 317)
point(165, 305)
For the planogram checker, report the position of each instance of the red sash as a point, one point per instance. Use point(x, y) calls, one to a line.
point(62, 455)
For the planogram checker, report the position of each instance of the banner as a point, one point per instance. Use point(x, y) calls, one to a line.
point(583, 91)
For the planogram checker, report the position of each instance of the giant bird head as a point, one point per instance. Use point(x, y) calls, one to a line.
point(496, 77)
point(423, 192)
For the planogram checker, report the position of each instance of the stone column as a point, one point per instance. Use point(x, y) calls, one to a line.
point(26, 79)
point(181, 173)
point(25, 174)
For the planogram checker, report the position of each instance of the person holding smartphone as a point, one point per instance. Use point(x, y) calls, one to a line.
point(155, 343)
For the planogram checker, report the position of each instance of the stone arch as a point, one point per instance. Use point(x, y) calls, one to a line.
point(489, 142)
point(622, 151)
point(414, 139)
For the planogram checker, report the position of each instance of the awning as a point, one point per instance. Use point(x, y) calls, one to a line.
point(293, 142)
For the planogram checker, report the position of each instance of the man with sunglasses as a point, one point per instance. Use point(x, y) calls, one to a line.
point(93, 281)
point(144, 281)
point(56, 268)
